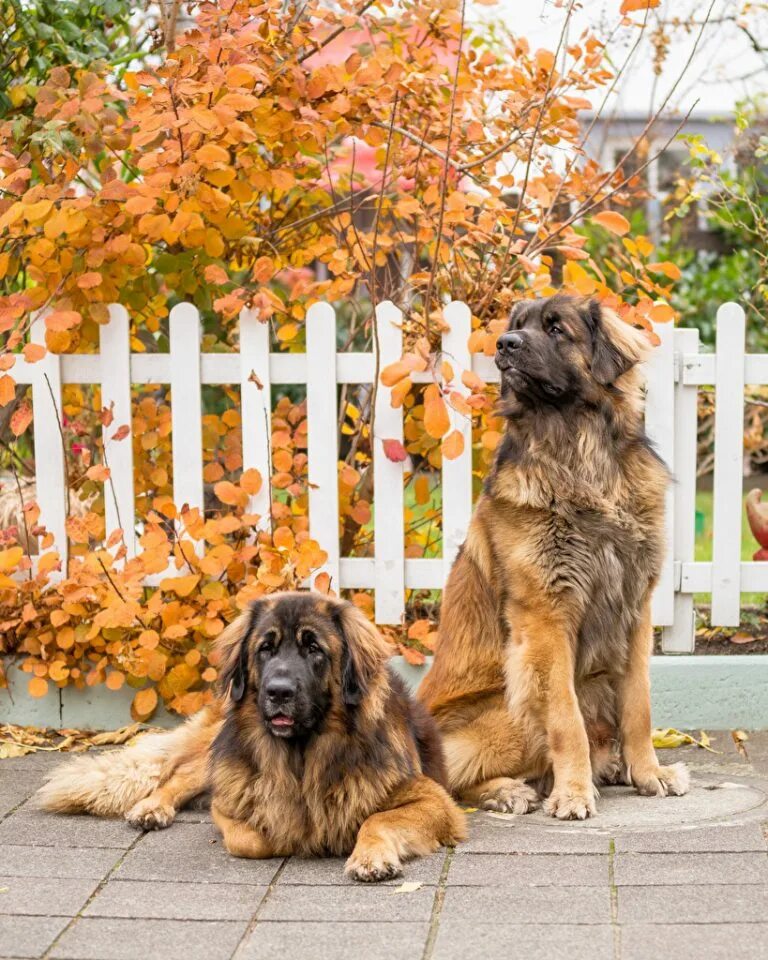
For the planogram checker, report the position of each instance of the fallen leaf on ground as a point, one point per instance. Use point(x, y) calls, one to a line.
point(410, 886)
point(16, 741)
point(739, 737)
point(670, 738)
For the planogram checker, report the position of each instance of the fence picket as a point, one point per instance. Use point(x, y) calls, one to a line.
point(186, 409)
point(322, 437)
point(729, 466)
point(256, 408)
point(680, 636)
point(52, 481)
point(660, 426)
point(115, 350)
point(388, 479)
point(457, 474)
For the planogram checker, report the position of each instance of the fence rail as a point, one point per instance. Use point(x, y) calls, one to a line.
point(674, 374)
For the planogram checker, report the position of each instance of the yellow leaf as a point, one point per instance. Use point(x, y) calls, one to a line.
point(181, 586)
point(10, 558)
point(576, 276)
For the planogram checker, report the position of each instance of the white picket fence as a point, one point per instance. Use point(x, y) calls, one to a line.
point(675, 372)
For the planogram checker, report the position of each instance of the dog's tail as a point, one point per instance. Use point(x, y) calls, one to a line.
point(109, 784)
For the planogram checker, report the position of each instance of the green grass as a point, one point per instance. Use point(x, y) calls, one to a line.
point(703, 550)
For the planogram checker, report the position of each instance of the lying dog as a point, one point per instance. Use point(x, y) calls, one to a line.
point(541, 674)
point(313, 747)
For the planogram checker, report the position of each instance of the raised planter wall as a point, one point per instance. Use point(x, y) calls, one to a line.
point(715, 692)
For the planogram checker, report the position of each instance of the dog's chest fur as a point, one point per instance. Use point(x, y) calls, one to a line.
point(310, 802)
point(581, 525)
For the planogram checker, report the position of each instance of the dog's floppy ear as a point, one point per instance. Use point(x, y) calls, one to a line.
point(233, 643)
point(364, 651)
point(608, 361)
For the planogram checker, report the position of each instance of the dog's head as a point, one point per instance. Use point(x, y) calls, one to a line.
point(295, 657)
point(561, 349)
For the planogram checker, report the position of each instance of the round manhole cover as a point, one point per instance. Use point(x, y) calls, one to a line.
point(622, 808)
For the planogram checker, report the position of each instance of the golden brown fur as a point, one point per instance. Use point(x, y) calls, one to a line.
point(367, 780)
point(541, 673)
point(364, 782)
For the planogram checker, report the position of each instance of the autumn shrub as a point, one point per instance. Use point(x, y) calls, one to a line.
point(278, 155)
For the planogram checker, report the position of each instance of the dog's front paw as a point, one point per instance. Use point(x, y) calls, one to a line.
point(148, 814)
point(373, 864)
point(506, 795)
point(671, 781)
point(569, 803)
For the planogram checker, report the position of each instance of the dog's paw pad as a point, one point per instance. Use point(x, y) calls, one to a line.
point(514, 796)
point(146, 815)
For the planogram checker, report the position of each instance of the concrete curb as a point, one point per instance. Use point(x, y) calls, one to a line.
point(715, 692)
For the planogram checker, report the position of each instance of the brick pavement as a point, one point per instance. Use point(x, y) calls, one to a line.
point(682, 877)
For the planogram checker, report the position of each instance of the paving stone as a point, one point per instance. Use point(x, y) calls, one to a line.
point(528, 869)
point(29, 936)
point(164, 900)
point(708, 903)
point(644, 869)
point(38, 897)
point(335, 941)
point(491, 834)
point(503, 941)
point(100, 938)
point(194, 852)
point(335, 904)
point(745, 941)
point(330, 870)
point(58, 862)
point(733, 838)
point(513, 905)
point(37, 829)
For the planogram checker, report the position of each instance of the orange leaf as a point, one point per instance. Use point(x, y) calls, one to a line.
point(228, 493)
point(21, 419)
point(613, 221)
point(251, 481)
point(7, 390)
point(394, 373)
point(144, 704)
point(661, 313)
point(629, 6)
point(436, 420)
point(33, 352)
point(89, 280)
point(38, 687)
point(453, 445)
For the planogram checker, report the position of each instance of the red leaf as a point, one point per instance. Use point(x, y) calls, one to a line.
point(394, 451)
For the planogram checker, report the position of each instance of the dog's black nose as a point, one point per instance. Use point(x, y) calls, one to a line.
point(508, 342)
point(281, 690)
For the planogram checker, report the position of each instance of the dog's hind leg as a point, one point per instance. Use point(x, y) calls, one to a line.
point(489, 760)
point(420, 818)
point(643, 769)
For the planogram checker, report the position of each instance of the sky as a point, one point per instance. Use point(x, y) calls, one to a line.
point(723, 71)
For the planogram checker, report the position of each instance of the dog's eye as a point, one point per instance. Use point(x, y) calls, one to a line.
point(556, 330)
point(309, 642)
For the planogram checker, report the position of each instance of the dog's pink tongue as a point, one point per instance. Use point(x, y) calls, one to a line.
point(282, 721)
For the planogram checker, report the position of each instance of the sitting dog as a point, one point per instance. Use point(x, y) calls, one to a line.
point(313, 747)
point(540, 682)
